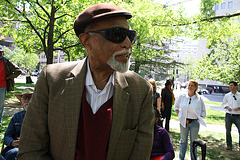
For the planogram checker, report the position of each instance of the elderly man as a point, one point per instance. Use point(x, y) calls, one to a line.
point(8, 71)
point(231, 102)
point(12, 134)
point(95, 108)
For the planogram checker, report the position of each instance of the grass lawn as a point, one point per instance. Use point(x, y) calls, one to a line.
point(215, 146)
point(215, 141)
point(213, 116)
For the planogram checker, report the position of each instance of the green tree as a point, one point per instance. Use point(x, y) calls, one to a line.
point(42, 25)
point(222, 35)
point(46, 26)
point(21, 58)
point(153, 22)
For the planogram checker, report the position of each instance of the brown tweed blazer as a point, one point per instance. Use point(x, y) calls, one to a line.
point(50, 126)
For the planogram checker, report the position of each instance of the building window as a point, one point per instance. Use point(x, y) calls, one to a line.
point(217, 7)
point(223, 6)
point(230, 4)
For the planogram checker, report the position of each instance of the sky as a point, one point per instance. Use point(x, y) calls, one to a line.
point(191, 6)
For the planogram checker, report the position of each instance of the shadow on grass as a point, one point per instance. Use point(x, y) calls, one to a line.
point(215, 147)
point(215, 118)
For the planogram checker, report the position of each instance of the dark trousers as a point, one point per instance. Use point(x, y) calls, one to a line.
point(229, 120)
point(167, 116)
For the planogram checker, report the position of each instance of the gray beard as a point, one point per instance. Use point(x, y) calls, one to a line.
point(118, 66)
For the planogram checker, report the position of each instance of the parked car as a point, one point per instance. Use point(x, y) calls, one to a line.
point(34, 73)
point(201, 90)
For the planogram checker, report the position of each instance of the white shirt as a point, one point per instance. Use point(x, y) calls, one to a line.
point(95, 97)
point(229, 101)
point(195, 110)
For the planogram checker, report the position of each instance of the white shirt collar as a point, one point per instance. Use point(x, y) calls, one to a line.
point(235, 94)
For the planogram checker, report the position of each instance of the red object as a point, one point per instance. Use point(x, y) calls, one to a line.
point(3, 74)
point(93, 131)
point(157, 158)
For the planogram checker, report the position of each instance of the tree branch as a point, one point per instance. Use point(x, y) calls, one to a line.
point(61, 16)
point(43, 8)
point(28, 21)
point(39, 15)
point(66, 47)
point(206, 19)
point(60, 36)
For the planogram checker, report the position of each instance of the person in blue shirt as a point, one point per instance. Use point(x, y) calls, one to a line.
point(2, 158)
point(12, 134)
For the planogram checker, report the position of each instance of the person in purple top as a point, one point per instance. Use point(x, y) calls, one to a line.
point(162, 148)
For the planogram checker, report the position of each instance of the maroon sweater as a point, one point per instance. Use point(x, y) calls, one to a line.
point(93, 131)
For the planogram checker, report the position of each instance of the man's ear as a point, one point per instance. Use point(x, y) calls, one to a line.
point(84, 39)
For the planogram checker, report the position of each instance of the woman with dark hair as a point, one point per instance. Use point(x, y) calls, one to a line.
point(167, 99)
point(156, 98)
point(162, 146)
point(190, 109)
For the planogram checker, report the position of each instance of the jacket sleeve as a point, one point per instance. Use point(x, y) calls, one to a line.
point(203, 109)
point(144, 139)
point(34, 139)
point(224, 102)
point(177, 103)
point(8, 136)
point(14, 70)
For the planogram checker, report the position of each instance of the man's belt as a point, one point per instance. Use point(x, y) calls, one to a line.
point(237, 115)
point(188, 121)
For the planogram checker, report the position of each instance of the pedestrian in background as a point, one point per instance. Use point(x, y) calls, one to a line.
point(28, 78)
point(190, 109)
point(94, 108)
point(156, 98)
point(231, 103)
point(8, 71)
point(162, 146)
point(12, 134)
point(167, 100)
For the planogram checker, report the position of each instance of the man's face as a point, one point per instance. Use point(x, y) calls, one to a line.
point(232, 87)
point(1, 54)
point(25, 99)
point(106, 54)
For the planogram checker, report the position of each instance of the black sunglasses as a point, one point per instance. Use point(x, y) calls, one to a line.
point(190, 101)
point(234, 97)
point(117, 34)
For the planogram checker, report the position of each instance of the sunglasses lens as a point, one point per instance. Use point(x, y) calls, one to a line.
point(132, 35)
point(118, 35)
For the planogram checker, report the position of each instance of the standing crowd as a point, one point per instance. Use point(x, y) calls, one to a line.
point(96, 108)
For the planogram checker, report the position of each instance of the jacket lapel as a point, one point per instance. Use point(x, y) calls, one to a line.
point(120, 101)
point(73, 94)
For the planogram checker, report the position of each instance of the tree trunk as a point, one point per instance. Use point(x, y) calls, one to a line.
point(50, 35)
point(137, 66)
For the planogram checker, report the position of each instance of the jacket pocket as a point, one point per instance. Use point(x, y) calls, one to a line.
point(125, 144)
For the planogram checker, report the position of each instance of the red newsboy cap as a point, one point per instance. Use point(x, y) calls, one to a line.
point(97, 12)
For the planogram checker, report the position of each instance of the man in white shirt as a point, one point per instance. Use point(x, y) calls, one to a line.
point(231, 103)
